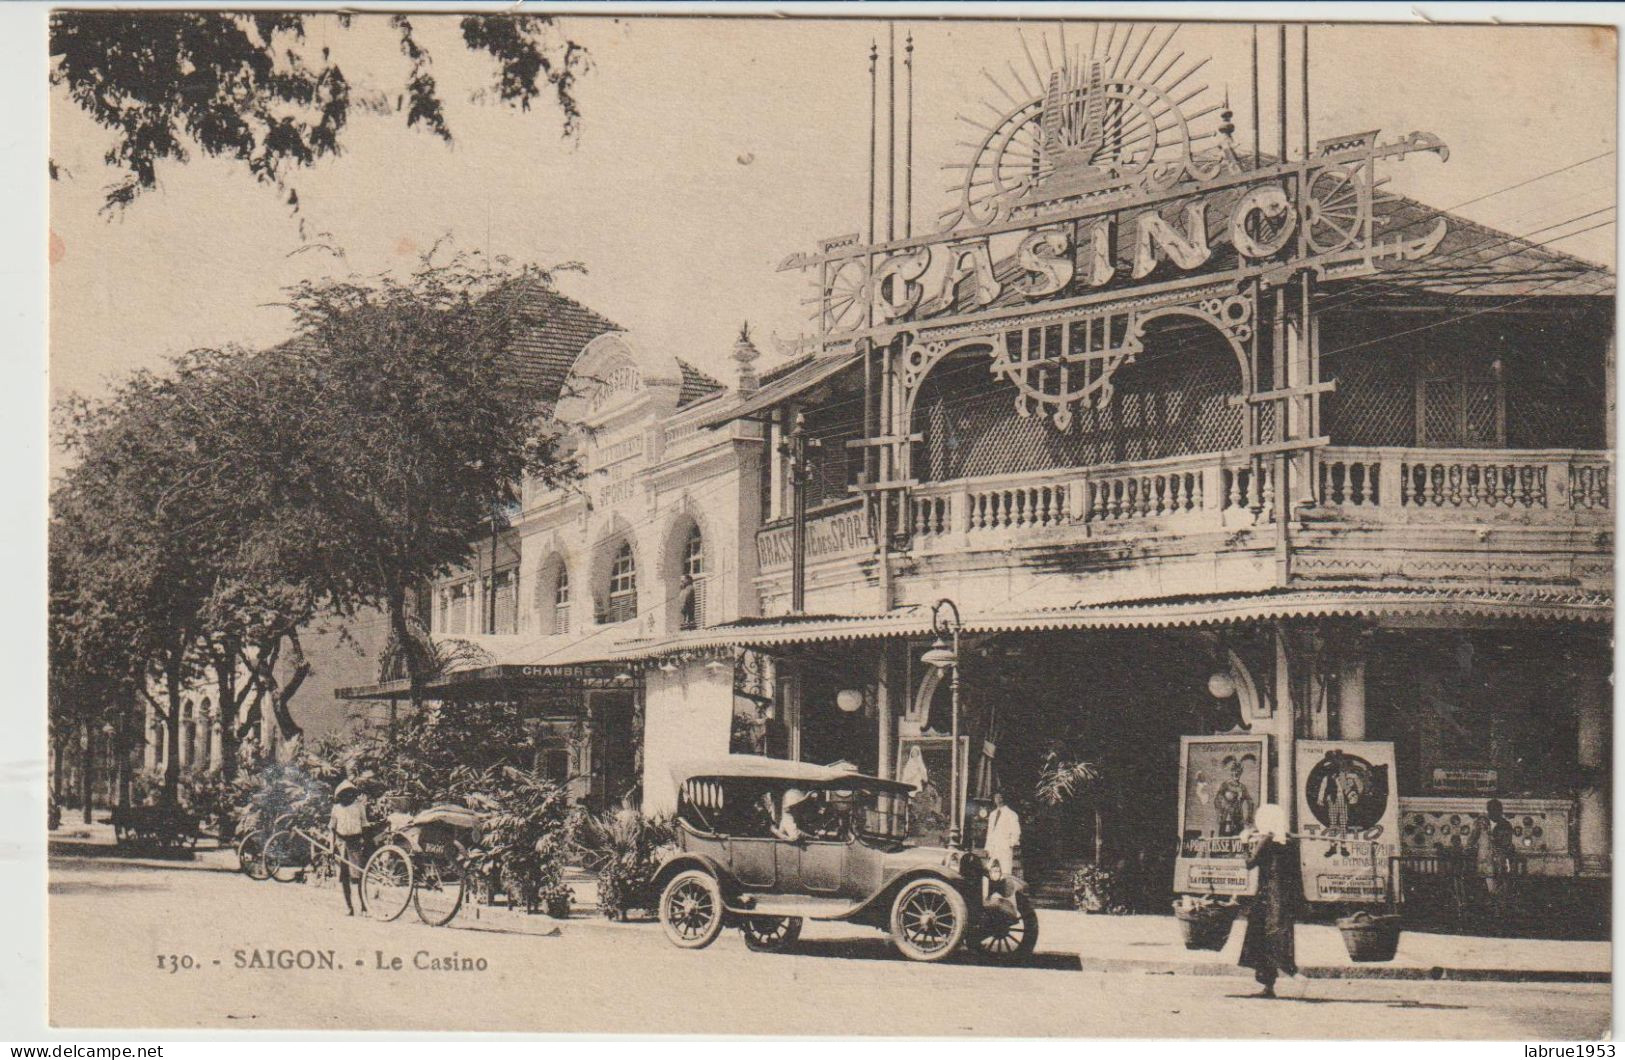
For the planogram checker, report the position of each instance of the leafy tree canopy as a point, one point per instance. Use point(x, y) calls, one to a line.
point(252, 86)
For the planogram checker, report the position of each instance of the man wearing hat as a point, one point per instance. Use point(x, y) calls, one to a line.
point(348, 821)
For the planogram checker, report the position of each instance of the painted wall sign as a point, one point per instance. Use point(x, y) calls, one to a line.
point(1457, 778)
point(1223, 780)
point(836, 534)
point(1348, 818)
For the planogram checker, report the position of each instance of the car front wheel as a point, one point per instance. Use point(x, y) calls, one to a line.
point(767, 934)
point(1007, 940)
point(691, 909)
point(928, 920)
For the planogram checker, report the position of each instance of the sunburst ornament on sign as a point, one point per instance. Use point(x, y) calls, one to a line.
point(1126, 110)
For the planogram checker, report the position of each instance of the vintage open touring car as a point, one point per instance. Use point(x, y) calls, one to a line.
point(763, 844)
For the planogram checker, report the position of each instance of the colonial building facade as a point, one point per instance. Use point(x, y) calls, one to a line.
point(656, 538)
point(1202, 445)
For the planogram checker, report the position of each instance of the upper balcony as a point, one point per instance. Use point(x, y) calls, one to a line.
point(1208, 523)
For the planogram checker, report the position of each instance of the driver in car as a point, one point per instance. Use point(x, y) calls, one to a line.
point(797, 803)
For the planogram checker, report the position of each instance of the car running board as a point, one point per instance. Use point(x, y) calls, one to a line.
point(786, 905)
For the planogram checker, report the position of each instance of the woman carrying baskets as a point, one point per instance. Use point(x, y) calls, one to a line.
point(1268, 948)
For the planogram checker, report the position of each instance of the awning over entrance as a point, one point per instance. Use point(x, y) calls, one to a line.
point(1222, 609)
point(786, 386)
point(507, 663)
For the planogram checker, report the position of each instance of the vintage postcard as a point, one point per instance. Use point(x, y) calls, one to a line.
point(830, 526)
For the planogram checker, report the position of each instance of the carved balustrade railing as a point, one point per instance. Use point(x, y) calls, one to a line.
point(1216, 491)
point(1184, 490)
point(1447, 485)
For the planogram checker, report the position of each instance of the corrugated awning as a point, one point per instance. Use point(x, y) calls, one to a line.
point(1532, 605)
point(591, 660)
point(786, 386)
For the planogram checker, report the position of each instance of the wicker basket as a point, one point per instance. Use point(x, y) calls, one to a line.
point(1370, 937)
point(1205, 928)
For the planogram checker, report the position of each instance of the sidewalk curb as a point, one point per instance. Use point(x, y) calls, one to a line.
point(1372, 971)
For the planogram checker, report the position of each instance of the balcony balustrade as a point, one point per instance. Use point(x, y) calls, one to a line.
point(1218, 492)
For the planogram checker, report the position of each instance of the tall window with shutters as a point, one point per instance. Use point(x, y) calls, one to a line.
point(623, 585)
point(561, 600)
point(691, 599)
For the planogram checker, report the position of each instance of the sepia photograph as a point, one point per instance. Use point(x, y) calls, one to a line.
point(942, 525)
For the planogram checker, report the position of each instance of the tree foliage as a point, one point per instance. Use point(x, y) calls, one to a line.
point(213, 510)
point(253, 87)
point(404, 430)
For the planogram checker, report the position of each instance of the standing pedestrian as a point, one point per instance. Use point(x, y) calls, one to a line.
point(1269, 947)
point(1003, 834)
point(348, 822)
point(1494, 850)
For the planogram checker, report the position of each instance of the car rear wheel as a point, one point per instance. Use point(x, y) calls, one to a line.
point(767, 934)
point(691, 909)
point(1008, 940)
point(928, 920)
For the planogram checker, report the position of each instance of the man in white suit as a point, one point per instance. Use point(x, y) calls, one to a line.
point(1003, 833)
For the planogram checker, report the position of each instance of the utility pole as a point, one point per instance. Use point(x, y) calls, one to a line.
point(795, 448)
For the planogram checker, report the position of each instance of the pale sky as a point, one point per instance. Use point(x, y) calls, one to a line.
point(712, 148)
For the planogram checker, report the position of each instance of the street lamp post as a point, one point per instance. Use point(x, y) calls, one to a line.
point(944, 656)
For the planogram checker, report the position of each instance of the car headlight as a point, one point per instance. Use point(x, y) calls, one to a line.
point(995, 871)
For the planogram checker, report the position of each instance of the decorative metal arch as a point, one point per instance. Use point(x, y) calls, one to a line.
point(1077, 372)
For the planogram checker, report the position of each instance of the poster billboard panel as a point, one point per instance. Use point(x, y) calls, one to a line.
point(1348, 819)
point(1223, 781)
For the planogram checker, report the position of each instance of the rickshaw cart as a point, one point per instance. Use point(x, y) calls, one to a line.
point(420, 864)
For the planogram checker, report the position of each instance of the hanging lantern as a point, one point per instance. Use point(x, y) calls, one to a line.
point(1221, 685)
point(850, 700)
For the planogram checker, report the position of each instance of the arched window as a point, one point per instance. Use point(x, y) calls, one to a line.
point(188, 746)
point(691, 590)
point(623, 585)
point(561, 600)
point(205, 732)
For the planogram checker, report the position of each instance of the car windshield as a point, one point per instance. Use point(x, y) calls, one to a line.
point(884, 815)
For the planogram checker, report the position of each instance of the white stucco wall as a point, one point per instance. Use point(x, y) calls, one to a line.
point(687, 715)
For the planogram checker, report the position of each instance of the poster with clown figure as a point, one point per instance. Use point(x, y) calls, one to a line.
point(1223, 781)
point(1348, 819)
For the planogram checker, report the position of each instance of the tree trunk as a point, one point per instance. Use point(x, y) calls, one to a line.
point(408, 646)
point(225, 675)
point(122, 769)
point(56, 769)
point(86, 749)
point(283, 696)
point(172, 727)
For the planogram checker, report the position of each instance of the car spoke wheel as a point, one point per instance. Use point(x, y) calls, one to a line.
point(928, 920)
point(438, 892)
point(1007, 940)
point(386, 884)
point(766, 934)
point(691, 909)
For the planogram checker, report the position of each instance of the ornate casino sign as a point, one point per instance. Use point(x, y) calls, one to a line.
point(1104, 191)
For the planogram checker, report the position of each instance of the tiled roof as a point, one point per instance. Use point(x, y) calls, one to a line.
point(696, 384)
point(552, 332)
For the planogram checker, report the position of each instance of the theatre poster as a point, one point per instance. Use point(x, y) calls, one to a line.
point(1348, 819)
point(1223, 781)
